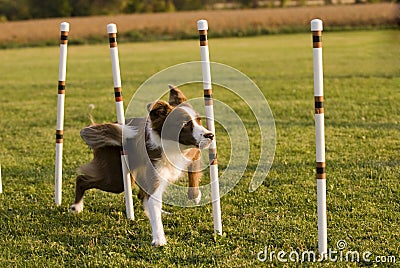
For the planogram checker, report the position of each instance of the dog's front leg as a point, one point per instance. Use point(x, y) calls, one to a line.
point(194, 174)
point(153, 205)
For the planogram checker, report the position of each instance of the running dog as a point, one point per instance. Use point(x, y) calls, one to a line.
point(161, 148)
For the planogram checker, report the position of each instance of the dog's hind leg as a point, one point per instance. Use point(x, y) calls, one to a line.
point(104, 172)
point(83, 183)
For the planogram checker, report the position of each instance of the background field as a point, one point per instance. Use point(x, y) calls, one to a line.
point(362, 145)
point(180, 25)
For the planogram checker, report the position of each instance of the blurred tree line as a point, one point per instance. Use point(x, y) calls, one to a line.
point(31, 9)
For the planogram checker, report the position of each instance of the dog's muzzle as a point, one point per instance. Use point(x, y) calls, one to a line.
point(206, 140)
point(209, 136)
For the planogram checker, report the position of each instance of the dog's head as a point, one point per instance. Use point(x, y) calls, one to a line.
point(177, 121)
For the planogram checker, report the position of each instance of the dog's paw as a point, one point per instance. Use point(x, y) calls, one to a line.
point(163, 212)
point(194, 194)
point(76, 208)
point(159, 241)
point(198, 198)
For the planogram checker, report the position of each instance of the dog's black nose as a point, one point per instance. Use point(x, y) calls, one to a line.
point(209, 136)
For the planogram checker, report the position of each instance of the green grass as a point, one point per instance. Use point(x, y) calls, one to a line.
point(362, 78)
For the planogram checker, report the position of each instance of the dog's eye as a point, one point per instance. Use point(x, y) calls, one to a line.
point(186, 124)
point(198, 120)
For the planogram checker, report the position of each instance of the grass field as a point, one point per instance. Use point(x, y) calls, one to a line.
point(362, 78)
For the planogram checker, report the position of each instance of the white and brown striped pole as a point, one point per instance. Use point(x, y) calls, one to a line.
point(202, 26)
point(316, 29)
point(62, 73)
point(112, 34)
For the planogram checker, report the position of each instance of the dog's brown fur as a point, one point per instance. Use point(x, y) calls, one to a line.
point(172, 133)
point(104, 172)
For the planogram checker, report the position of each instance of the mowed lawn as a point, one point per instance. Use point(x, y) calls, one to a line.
point(362, 118)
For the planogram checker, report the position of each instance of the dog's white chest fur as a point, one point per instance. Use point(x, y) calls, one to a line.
point(173, 162)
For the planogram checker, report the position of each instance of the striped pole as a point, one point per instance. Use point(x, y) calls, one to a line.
point(112, 34)
point(316, 28)
point(202, 26)
point(62, 73)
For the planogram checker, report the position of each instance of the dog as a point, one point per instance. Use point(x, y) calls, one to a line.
point(161, 148)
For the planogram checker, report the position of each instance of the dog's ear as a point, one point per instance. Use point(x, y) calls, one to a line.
point(158, 113)
point(176, 96)
point(159, 110)
point(149, 105)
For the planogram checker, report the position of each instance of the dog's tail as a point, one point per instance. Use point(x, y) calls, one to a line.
point(102, 135)
point(90, 109)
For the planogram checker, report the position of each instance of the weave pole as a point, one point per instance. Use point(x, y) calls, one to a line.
point(202, 26)
point(316, 29)
point(62, 73)
point(112, 34)
point(1, 183)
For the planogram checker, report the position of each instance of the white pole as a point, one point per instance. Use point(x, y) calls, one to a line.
point(202, 26)
point(316, 28)
point(1, 184)
point(112, 34)
point(62, 73)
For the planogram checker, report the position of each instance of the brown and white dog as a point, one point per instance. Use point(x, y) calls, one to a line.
point(161, 148)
